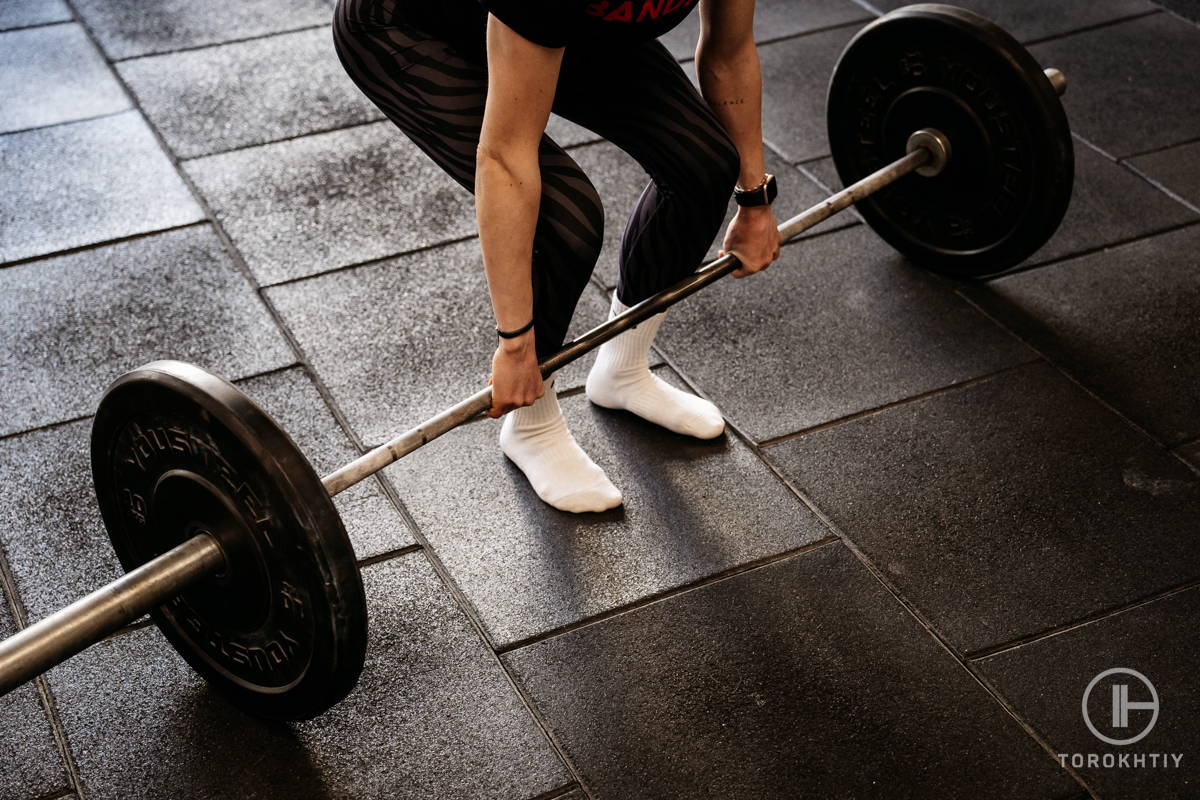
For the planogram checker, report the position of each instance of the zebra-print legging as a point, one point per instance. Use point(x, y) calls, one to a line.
point(432, 84)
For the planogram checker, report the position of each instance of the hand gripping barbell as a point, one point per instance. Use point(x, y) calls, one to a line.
point(231, 541)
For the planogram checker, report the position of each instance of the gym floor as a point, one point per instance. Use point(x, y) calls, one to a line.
point(940, 511)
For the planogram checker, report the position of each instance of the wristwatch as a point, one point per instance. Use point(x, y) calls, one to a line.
point(762, 195)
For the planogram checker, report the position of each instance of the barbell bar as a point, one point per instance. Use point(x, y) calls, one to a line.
point(232, 543)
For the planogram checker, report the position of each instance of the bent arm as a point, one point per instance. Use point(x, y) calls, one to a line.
point(522, 77)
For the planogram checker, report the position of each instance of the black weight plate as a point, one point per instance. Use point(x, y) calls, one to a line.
point(1011, 169)
point(177, 451)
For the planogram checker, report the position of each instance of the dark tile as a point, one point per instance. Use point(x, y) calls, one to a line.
point(433, 346)
point(1005, 508)
point(840, 324)
point(528, 568)
point(218, 98)
point(1176, 168)
point(312, 204)
point(86, 182)
point(773, 19)
point(21, 13)
point(824, 173)
point(433, 713)
point(1185, 8)
point(32, 764)
point(128, 28)
point(1109, 204)
point(374, 524)
point(795, 78)
point(1027, 20)
point(51, 531)
point(75, 322)
point(1124, 321)
point(53, 75)
point(1046, 682)
point(801, 679)
point(1127, 95)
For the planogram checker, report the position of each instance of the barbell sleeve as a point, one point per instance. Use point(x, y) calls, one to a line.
point(54, 639)
point(449, 419)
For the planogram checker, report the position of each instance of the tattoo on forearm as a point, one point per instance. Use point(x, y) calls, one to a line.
point(741, 101)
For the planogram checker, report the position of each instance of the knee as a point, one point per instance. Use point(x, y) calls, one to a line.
point(572, 219)
point(710, 173)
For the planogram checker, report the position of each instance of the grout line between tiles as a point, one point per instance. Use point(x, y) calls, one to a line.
point(47, 126)
point(916, 398)
point(1129, 165)
point(1093, 250)
point(928, 627)
point(1089, 28)
point(1170, 12)
point(210, 45)
point(49, 426)
point(370, 262)
point(48, 24)
point(20, 617)
point(56, 794)
point(893, 591)
point(388, 556)
point(97, 245)
point(1082, 622)
point(61, 423)
point(1063, 372)
point(1159, 149)
point(317, 132)
point(865, 4)
point(558, 793)
point(667, 594)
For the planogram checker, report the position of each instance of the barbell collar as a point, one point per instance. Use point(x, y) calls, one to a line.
point(64, 633)
point(390, 452)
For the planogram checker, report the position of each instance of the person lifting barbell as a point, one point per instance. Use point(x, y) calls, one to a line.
point(473, 83)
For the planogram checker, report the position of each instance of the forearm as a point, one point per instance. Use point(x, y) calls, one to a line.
point(507, 196)
point(731, 82)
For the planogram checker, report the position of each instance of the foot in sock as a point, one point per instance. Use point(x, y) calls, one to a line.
point(621, 378)
point(536, 439)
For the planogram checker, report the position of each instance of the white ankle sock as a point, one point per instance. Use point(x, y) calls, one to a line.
point(621, 378)
point(536, 439)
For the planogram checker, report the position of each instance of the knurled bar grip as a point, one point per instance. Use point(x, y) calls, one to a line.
point(449, 419)
point(64, 633)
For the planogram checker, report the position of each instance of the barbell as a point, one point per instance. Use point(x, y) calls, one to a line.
point(231, 541)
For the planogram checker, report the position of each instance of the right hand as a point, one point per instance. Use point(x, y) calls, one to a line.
point(516, 379)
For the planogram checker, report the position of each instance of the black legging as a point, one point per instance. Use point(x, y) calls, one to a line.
point(433, 88)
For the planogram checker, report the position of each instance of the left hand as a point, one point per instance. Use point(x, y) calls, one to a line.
point(753, 236)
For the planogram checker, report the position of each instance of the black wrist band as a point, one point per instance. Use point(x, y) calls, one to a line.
point(516, 333)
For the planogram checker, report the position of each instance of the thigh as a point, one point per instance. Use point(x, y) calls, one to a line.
point(425, 86)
